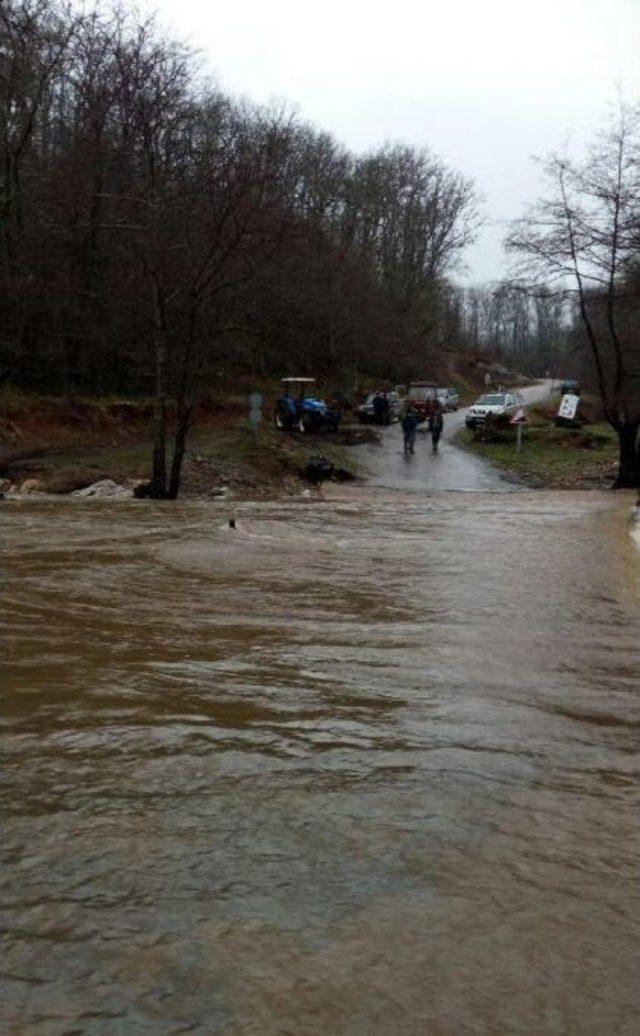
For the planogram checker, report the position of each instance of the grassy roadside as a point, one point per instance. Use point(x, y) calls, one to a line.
point(71, 444)
point(559, 458)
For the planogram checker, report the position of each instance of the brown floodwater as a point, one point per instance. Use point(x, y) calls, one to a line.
point(361, 767)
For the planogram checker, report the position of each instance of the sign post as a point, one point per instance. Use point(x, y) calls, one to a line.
point(519, 419)
point(255, 412)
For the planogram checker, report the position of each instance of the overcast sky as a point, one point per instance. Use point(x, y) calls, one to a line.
point(486, 83)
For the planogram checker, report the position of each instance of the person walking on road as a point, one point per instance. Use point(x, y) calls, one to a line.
point(409, 425)
point(436, 424)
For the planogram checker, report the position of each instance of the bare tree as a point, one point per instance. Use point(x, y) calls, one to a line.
point(582, 238)
point(35, 37)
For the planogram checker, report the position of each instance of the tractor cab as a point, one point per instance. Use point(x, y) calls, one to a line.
point(297, 411)
point(423, 398)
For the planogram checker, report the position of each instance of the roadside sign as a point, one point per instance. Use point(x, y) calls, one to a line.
point(569, 406)
point(255, 413)
point(519, 417)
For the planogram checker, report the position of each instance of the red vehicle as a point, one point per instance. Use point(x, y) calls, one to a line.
point(423, 398)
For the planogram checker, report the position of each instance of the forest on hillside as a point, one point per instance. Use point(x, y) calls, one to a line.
point(143, 209)
point(146, 215)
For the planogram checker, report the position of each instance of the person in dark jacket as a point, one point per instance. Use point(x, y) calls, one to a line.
point(409, 426)
point(378, 408)
point(386, 409)
point(436, 424)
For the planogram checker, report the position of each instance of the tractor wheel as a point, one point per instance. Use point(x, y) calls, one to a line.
point(281, 420)
point(304, 424)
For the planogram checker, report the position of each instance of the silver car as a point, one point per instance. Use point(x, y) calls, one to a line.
point(448, 398)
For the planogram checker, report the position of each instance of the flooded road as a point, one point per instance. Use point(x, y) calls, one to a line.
point(360, 767)
point(450, 469)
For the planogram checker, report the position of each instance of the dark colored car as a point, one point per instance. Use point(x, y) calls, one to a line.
point(568, 386)
point(366, 410)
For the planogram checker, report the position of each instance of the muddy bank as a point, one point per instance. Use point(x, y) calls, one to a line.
point(62, 449)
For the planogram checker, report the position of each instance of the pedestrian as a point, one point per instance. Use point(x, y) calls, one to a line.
point(436, 424)
point(409, 426)
point(386, 409)
point(378, 408)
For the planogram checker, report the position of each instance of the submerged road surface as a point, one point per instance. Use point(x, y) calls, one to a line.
point(360, 768)
point(449, 469)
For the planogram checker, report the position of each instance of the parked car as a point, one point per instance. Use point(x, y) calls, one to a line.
point(295, 411)
point(449, 398)
point(366, 411)
point(569, 387)
point(498, 404)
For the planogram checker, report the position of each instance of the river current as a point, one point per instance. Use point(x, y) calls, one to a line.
point(359, 767)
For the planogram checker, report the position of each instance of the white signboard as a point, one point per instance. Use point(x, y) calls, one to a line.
point(569, 406)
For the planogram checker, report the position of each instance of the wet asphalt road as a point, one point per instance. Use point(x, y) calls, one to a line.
point(450, 468)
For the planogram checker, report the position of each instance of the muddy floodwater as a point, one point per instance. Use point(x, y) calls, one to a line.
point(361, 767)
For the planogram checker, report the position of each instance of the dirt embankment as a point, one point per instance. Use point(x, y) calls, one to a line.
point(59, 446)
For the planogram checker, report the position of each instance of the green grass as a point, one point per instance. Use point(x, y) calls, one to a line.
point(269, 451)
point(551, 456)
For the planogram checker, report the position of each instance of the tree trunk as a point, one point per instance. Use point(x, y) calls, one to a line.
point(158, 485)
point(182, 427)
point(628, 476)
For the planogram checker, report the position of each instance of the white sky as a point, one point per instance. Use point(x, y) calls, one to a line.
point(485, 83)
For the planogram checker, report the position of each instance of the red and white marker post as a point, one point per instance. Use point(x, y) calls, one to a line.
point(519, 419)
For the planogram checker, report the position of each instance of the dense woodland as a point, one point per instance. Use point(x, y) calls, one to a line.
point(143, 209)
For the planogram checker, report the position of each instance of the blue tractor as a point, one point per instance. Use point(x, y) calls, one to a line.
point(296, 411)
